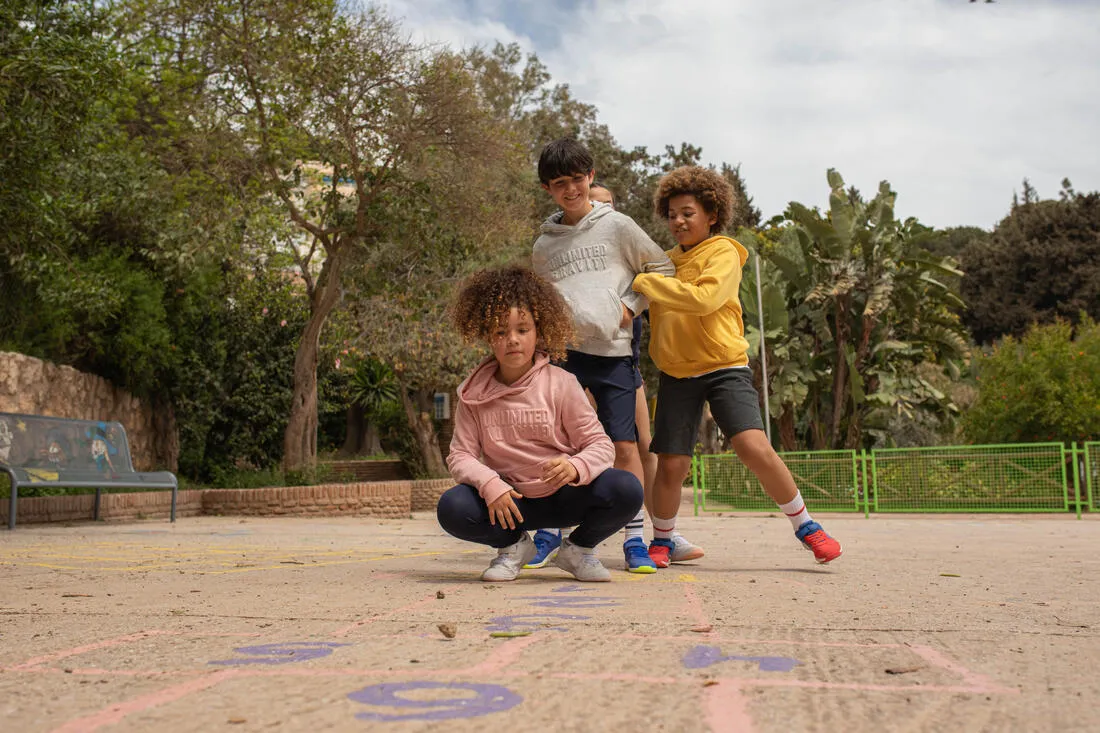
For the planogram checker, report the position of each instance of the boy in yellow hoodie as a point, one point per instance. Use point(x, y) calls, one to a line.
point(697, 340)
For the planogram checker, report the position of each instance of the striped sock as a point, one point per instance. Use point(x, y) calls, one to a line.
point(636, 526)
point(663, 529)
point(795, 509)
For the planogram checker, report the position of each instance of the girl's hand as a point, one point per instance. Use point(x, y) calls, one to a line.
point(558, 472)
point(504, 508)
point(628, 316)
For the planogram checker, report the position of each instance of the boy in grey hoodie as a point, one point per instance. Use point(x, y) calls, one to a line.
point(591, 253)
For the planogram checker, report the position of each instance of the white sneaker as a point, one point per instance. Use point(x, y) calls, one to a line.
point(581, 562)
point(510, 560)
point(683, 550)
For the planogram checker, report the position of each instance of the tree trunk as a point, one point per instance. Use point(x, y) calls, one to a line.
point(419, 416)
point(788, 438)
point(372, 441)
point(840, 370)
point(300, 439)
point(353, 433)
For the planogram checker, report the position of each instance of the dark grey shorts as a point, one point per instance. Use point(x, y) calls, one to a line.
point(733, 400)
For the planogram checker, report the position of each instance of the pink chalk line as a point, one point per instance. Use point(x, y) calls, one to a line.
point(108, 643)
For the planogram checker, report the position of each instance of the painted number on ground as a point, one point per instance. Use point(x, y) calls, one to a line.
point(472, 701)
point(704, 656)
point(285, 653)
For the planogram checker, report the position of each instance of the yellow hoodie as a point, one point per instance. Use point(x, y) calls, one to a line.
point(695, 316)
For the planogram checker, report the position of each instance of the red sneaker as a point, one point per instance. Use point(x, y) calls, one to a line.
point(660, 552)
point(814, 539)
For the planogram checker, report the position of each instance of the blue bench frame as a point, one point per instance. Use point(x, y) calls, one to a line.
point(36, 450)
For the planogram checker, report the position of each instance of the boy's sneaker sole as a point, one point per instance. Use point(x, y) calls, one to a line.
point(535, 564)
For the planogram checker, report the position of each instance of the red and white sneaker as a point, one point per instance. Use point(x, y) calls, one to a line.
point(814, 539)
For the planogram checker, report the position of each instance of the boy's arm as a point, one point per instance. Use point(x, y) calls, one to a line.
point(642, 255)
point(595, 453)
point(464, 460)
point(717, 283)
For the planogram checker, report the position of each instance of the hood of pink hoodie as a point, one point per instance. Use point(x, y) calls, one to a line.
point(482, 386)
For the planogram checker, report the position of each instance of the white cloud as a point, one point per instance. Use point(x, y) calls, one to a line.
point(953, 102)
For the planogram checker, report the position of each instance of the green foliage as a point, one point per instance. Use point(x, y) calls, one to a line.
point(1041, 263)
point(852, 304)
point(1043, 386)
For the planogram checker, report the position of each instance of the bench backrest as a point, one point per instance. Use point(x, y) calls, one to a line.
point(63, 444)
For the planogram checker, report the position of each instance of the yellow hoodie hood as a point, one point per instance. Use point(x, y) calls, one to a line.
point(695, 316)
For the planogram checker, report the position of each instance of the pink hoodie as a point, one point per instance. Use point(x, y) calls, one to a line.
point(504, 433)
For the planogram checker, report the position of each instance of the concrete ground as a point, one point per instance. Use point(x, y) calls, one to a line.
point(968, 623)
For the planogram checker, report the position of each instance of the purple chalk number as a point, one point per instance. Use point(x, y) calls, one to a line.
point(285, 653)
point(532, 621)
point(704, 656)
point(486, 699)
point(573, 601)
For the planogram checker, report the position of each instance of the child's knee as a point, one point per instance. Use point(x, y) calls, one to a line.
point(673, 466)
point(624, 487)
point(455, 507)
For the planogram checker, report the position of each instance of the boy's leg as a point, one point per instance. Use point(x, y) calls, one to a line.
point(645, 437)
point(735, 405)
point(610, 380)
point(679, 409)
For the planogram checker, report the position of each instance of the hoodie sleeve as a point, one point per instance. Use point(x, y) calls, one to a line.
point(464, 460)
point(642, 254)
point(718, 283)
point(595, 453)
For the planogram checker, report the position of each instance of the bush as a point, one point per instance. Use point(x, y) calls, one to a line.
point(1044, 387)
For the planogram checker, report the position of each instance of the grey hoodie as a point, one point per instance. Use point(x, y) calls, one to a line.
point(593, 264)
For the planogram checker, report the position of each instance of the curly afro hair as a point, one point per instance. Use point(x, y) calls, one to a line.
point(487, 296)
point(707, 185)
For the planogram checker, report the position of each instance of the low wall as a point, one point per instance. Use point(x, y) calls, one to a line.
point(112, 507)
point(368, 470)
point(426, 493)
point(387, 499)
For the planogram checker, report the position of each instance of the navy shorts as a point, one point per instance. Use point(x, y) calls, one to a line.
point(610, 379)
point(733, 400)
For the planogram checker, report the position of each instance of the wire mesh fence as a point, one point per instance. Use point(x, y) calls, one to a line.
point(828, 481)
point(1030, 477)
point(996, 478)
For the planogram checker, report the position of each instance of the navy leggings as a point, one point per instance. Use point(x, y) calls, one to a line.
point(598, 510)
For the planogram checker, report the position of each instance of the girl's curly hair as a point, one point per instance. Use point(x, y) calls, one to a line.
point(712, 190)
point(485, 299)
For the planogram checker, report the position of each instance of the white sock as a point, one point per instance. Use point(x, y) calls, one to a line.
point(795, 509)
point(636, 526)
point(564, 532)
point(663, 529)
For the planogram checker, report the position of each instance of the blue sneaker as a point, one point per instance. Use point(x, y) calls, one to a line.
point(546, 547)
point(637, 556)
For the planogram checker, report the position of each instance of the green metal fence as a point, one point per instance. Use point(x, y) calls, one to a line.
point(1031, 477)
point(985, 478)
point(829, 481)
point(1092, 475)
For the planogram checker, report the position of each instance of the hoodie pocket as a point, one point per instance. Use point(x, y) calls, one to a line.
point(597, 318)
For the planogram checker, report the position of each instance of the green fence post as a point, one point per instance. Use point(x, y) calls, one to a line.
point(864, 483)
point(1076, 479)
point(694, 484)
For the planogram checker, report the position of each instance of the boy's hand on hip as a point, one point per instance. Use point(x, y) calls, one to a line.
point(504, 510)
point(628, 316)
point(558, 472)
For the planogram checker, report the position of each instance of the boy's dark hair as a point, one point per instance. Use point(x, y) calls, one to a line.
point(564, 157)
point(487, 296)
point(712, 190)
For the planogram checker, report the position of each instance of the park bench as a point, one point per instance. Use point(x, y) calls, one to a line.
point(36, 450)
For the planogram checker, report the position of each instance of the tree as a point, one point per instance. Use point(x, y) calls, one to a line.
point(852, 305)
point(1041, 263)
point(331, 112)
point(370, 388)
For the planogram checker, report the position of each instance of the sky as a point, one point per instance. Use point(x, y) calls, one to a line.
point(953, 102)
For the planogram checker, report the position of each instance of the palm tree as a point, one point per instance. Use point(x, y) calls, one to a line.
point(370, 388)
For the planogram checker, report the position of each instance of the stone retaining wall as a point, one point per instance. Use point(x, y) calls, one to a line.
point(112, 507)
point(426, 493)
point(35, 387)
point(394, 470)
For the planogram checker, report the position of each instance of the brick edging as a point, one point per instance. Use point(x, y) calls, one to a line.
point(385, 499)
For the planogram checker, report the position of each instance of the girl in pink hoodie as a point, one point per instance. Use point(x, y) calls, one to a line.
point(528, 451)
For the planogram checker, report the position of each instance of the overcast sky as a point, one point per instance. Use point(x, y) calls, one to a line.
point(953, 102)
